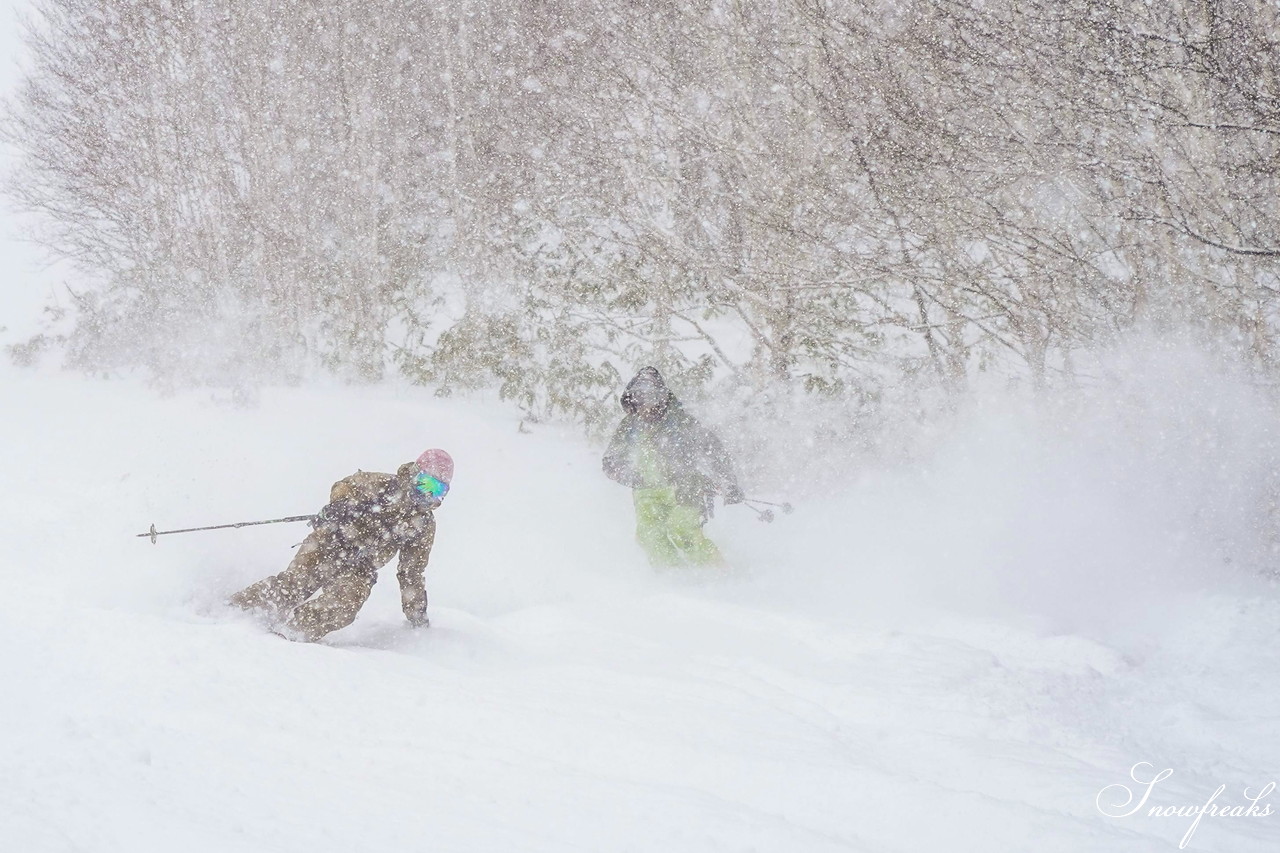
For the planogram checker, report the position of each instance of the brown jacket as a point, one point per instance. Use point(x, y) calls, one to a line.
point(370, 518)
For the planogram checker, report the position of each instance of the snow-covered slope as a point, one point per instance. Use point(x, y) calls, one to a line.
point(907, 665)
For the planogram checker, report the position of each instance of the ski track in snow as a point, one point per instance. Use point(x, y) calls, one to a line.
point(566, 697)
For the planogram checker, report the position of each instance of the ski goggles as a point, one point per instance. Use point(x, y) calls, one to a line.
point(429, 486)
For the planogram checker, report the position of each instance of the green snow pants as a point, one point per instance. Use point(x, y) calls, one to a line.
point(671, 532)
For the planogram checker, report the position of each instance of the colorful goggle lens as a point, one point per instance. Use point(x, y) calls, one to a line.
point(430, 486)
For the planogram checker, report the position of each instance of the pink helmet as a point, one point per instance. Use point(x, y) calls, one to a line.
point(437, 463)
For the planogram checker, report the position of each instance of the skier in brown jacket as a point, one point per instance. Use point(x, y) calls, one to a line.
point(369, 518)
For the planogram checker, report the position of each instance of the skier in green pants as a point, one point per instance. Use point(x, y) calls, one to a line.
point(675, 467)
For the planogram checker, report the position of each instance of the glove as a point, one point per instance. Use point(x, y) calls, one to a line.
point(733, 495)
point(333, 516)
point(414, 605)
point(620, 473)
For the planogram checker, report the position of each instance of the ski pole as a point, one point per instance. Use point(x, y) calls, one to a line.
point(765, 515)
point(153, 533)
point(786, 508)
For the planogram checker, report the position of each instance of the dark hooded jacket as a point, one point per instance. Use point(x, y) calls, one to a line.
point(660, 445)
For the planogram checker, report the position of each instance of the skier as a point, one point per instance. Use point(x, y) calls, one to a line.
point(674, 466)
point(369, 518)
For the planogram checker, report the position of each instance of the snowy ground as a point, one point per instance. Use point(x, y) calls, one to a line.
point(933, 659)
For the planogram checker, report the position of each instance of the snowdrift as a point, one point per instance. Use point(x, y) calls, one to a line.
point(959, 653)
